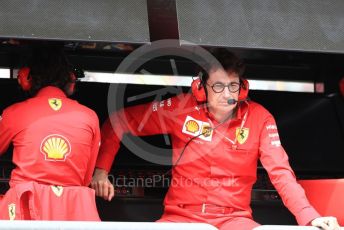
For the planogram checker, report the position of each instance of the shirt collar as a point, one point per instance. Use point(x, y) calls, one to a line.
point(238, 114)
point(50, 91)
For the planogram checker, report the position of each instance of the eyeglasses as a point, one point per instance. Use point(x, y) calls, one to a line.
point(219, 87)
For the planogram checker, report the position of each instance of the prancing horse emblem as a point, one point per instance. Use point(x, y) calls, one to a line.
point(55, 103)
point(241, 134)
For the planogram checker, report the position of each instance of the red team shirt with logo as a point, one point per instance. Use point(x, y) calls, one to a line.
point(56, 141)
point(218, 167)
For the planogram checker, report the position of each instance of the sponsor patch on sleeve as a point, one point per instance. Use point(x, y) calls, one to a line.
point(156, 105)
point(271, 127)
point(169, 102)
point(273, 135)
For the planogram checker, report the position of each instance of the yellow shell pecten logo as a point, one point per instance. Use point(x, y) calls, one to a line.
point(55, 147)
point(192, 126)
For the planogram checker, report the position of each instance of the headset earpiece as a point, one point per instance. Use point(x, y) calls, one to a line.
point(71, 84)
point(198, 90)
point(244, 88)
point(341, 86)
point(24, 78)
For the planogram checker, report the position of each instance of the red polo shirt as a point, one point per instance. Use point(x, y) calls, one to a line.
point(219, 166)
point(55, 139)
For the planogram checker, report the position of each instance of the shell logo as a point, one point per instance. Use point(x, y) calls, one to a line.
point(55, 147)
point(192, 126)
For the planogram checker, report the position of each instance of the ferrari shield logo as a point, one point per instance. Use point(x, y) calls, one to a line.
point(58, 190)
point(55, 103)
point(242, 134)
point(12, 211)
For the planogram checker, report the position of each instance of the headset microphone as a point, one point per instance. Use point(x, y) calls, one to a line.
point(232, 101)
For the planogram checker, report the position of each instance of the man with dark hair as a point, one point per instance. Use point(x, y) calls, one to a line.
point(49, 67)
point(56, 142)
point(217, 137)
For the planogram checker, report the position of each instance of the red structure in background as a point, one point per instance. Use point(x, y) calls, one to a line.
point(326, 195)
point(341, 86)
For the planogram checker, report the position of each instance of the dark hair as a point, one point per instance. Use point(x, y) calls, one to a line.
point(228, 61)
point(49, 67)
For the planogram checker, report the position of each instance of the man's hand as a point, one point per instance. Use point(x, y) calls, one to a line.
point(102, 185)
point(326, 223)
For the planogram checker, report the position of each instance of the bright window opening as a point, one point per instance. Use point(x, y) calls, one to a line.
point(185, 81)
point(5, 73)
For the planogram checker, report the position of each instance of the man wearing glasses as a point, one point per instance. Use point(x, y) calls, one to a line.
point(217, 137)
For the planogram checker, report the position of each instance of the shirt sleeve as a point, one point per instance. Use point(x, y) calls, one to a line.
point(94, 151)
point(6, 133)
point(275, 160)
point(141, 120)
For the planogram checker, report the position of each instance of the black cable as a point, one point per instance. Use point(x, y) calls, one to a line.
point(189, 141)
point(181, 154)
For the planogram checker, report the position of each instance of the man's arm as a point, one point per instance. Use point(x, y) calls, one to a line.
point(147, 119)
point(275, 161)
point(140, 120)
point(108, 149)
point(94, 150)
point(102, 185)
point(5, 132)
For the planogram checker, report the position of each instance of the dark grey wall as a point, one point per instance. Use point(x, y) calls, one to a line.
point(86, 20)
point(307, 25)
